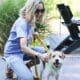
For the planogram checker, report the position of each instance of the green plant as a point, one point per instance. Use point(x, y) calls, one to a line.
point(8, 14)
point(40, 26)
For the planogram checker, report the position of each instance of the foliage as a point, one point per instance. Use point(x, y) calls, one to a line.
point(8, 14)
point(40, 26)
point(52, 11)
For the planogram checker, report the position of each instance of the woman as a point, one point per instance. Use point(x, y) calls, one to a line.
point(20, 37)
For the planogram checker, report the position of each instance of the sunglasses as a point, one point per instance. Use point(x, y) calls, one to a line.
point(40, 10)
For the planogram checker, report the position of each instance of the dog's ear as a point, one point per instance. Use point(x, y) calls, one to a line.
point(50, 52)
point(63, 55)
point(48, 46)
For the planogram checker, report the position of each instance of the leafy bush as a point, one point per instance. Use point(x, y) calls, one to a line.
point(8, 14)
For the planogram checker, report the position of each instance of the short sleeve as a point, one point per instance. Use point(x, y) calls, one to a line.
point(21, 30)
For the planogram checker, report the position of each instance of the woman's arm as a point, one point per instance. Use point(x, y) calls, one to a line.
point(31, 52)
point(26, 49)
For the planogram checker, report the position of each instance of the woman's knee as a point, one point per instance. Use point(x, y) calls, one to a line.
point(27, 77)
point(39, 49)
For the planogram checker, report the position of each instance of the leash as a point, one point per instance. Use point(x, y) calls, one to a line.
point(46, 49)
point(43, 44)
point(36, 70)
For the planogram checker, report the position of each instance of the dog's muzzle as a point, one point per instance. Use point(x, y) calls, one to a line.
point(57, 64)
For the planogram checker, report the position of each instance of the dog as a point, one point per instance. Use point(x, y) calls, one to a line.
point(52, 67)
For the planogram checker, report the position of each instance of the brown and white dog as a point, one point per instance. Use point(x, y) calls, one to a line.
point(52, 68)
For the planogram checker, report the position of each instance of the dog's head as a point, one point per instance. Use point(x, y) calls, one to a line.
point(56, 59)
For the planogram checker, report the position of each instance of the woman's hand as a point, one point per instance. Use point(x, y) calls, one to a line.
point(44, 57)
point(35, 34)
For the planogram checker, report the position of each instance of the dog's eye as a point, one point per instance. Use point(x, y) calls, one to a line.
point(60, 56)
point(53, 56)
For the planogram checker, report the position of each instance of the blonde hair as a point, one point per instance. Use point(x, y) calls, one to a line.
point(29, 9)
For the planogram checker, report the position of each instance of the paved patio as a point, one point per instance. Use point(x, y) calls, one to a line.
point(71, 68)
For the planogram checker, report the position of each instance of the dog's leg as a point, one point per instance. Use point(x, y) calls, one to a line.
point(57, 76)
point(43, 67)
point(9, 73)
